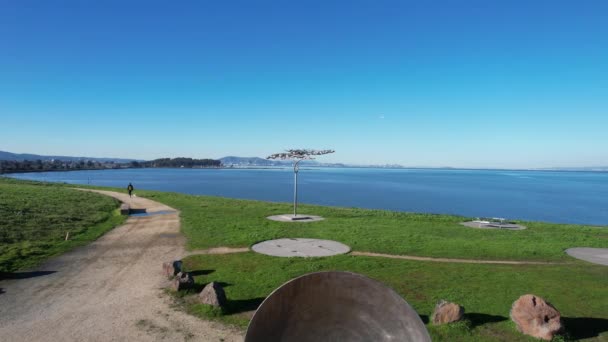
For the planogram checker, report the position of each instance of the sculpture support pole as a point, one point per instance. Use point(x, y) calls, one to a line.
point(295, 188)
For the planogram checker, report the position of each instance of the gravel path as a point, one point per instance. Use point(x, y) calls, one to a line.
point(231, 250)
point(109, 290)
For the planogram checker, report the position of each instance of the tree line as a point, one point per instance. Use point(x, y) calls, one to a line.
point(14, 166)
point(178, 162)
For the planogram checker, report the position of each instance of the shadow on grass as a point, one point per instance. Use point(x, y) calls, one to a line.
point(478, 319)
point(24, 275)
point(199, 287)
point(222, 284)
point(201, 272)
point(243, 305)
point(584, 327)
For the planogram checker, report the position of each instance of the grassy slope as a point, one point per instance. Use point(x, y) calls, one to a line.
point(578, 289)
point(34, 218)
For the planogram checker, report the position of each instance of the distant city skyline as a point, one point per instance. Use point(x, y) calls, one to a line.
point(469, 84)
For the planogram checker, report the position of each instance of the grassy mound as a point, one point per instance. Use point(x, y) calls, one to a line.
point(35, 217)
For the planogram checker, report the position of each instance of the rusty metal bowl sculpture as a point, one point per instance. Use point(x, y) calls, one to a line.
point(335, 306)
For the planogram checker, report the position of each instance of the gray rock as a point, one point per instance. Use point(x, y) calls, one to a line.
point(447, 312)
point(182, 281)
point(213, 294)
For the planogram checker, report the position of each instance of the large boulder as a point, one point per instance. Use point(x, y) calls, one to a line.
point(213, 294)
point(447, 312)
point(536, 317)
point(171, 269)
point(182, 281)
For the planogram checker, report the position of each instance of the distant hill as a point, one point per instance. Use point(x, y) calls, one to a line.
point(261, 162)
point(587, 168)
point(180, 162)
point(251, 161)
point(256, 161)
point(25, 156)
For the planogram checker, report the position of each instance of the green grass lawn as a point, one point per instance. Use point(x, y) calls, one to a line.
point(578, 289)
point(580, 292)
point(35, 217)
point(213, 221)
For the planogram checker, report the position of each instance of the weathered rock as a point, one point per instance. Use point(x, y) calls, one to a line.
point(183, 281)
point(535, 317)
point(171, 269)
point(166, 268)
point(447, 312)
point(213, 294)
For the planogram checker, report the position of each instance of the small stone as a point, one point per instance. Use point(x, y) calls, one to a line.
point(447, 312)
point(171, 269)
point(182, 281)
point(213, 294)
point(536, 317)
point(166, 268)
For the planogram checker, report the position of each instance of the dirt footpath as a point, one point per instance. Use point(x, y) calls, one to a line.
point(109, 290)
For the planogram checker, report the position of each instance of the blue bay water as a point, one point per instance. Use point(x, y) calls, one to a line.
point(561, 197)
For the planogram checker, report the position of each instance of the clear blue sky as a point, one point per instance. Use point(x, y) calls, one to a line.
point(419, 83)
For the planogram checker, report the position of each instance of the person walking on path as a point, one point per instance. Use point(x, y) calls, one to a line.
point(130, 189)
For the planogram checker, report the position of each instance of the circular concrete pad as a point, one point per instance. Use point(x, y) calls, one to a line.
point(300, 247)
point(594, 255)
point(490, 225)
point(299, 218)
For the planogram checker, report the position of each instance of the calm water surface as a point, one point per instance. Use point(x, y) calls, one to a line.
point(565, 197)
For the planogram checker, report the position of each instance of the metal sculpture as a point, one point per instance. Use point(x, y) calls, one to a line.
point(297, 156)
point(335, 306)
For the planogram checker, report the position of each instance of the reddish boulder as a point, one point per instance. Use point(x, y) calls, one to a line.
point(182, 281)
point(447, 312)
point(536, 317)
point(171, 269)
point(166, 268)
point(213, 294)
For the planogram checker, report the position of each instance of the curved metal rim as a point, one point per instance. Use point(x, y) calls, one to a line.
point(344, 272)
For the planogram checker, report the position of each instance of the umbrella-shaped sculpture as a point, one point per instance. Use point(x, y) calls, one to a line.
point(297, 156)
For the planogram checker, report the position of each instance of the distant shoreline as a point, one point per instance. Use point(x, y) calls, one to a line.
point(148, 168)
point(312, 167)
